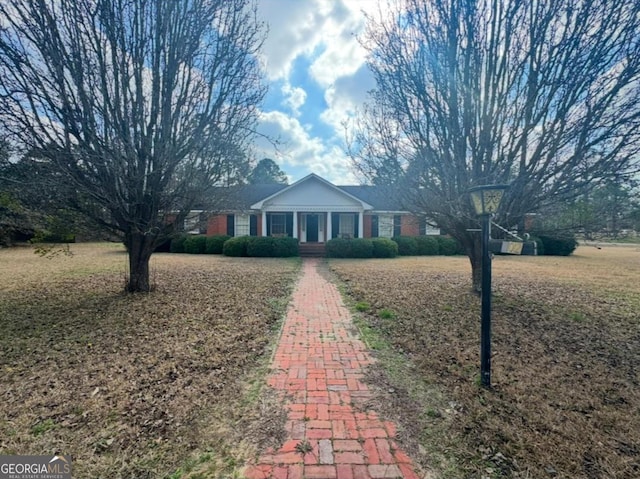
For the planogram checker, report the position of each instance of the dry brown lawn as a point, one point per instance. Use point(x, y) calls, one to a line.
point(138, 386)
point(566, 362)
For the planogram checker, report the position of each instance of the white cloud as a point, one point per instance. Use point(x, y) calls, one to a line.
point(300, 151)
point(345, 96)
point(295, 98)
point(324, 33)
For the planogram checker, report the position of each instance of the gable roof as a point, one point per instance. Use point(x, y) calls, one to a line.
point(312, 177)
point(248, 197)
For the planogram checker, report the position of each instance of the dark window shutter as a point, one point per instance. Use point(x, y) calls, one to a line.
point(253, 225)
point(356, 224)
point(423, 226)
point(268, 224)
point(397, 225)
point(374, 226)
point(335, 224)
point(289, 224)
point(231, 225)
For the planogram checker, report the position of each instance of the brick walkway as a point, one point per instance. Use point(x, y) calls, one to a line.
point(319, 365)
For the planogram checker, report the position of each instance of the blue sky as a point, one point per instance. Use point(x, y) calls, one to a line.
point(317, 78)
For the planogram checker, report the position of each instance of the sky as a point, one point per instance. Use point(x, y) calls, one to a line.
point(317, 78)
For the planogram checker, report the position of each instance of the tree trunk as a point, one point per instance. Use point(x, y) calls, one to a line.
point(475, 257)
point(140, 248)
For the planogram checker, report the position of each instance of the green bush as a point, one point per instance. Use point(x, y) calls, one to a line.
point(349, 248)
point(448, 246)
point(361, 248)
point(47, 237)
point(236, 246)
point(558, 245)
point(338, 248)
point(177, 244)
point(384, 248)
point(285, 247)
point(215, 244)
point(427, 245)
point(195, 244)
point(407, 245)
point(260, 246)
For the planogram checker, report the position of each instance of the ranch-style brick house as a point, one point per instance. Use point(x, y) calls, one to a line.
point(313, 210)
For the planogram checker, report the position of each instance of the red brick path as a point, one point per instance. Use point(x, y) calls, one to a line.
point(319, 365)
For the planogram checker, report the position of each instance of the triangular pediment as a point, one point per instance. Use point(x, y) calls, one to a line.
point(313, 193)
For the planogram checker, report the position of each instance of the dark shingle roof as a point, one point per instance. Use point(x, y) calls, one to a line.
point(382, 198)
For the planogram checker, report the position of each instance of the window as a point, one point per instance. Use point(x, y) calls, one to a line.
point(397, 225)
point(242, 225)
point(346, 228)
point(278, 224)
point(385, 226)
point(192, 223)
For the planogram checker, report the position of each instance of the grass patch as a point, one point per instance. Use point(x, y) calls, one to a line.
point(139, 385)
point(362, 306)
point(566, 350)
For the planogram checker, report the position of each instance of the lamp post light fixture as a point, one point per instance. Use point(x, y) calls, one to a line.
point(486, 200)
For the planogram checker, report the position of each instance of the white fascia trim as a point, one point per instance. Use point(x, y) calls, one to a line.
point(259, 204)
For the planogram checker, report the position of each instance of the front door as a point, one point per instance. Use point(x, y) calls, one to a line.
point(312, 228)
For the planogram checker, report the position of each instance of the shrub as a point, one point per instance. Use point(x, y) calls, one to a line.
point(195, 244)
point(338, 248)
point(384, 248)
point(285, 247)
point(177, 244)
point(215, 244)
point(260, 246)
point(407, 245)
point(427, 245)
point(47, 237)
point(236, 246)
point(448, 246)
point(361, 248)
point(558, 245)
point(349, 248)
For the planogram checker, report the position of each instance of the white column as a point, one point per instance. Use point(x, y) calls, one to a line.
point(295, 224)
point(264, 223)
point(327, 228)
point(361, 224)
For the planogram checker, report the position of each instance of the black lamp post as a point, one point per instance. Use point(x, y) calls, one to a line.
point(486, 200)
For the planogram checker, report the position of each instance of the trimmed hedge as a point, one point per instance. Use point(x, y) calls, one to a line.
point(261, 247)
point(384, 248)
point(558, 246)
point(407, 245)
point(195, 244)
point(349, 248)
point(216, 243)
point(361, 248)
point(447, 246)
point(177, 244)
point(236, 246)
point(285, 247)
point(427, 245)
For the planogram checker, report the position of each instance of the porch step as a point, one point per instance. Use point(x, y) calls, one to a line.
point(311, 250)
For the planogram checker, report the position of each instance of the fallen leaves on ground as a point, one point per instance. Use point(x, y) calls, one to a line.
point(566, 357)
point(131, 385)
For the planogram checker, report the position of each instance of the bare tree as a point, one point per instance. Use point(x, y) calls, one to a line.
point(138, 102)
point(538, 94)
